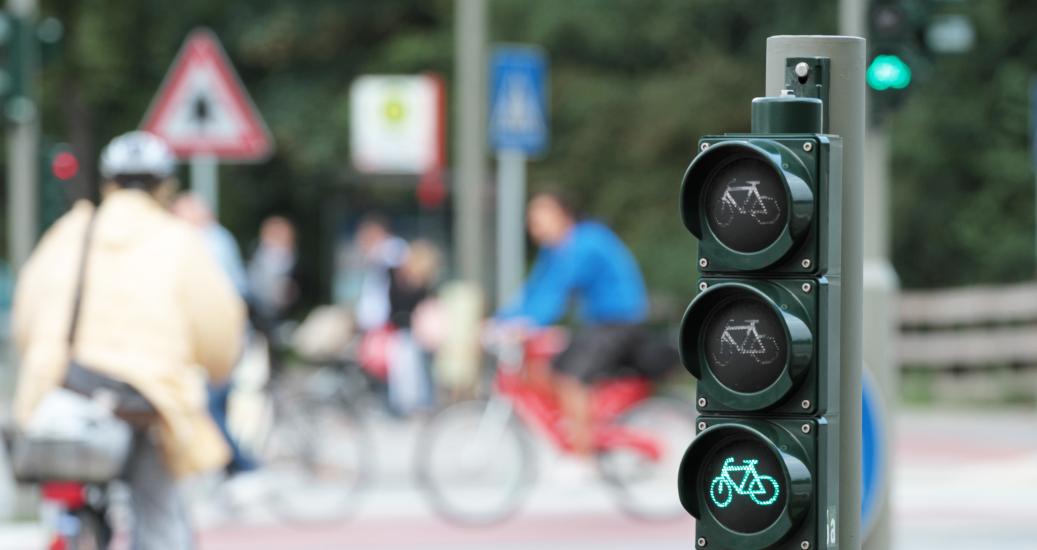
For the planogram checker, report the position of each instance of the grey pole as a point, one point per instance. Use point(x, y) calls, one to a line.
point(205, 181)
point(511, 208)
point(880, 289)
point(22, 148)
point(846, 114)
point(470, 147)
point(23, 131)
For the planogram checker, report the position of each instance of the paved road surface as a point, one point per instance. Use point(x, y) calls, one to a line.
point(951, 493)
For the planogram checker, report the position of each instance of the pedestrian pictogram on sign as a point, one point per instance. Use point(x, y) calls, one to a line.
point(517, 110)
point(518, 99)
point(203, 109)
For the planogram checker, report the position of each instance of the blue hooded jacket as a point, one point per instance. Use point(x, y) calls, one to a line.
point(592, 266)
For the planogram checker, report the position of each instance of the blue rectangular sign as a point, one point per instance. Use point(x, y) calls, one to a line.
point(518, 99)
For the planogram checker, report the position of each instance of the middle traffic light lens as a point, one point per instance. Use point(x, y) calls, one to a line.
point(745, 344)
point(746, 204)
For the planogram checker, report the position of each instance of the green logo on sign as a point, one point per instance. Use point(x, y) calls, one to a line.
point(724, 488)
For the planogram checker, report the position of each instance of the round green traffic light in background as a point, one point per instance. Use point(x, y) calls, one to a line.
point(888, 71)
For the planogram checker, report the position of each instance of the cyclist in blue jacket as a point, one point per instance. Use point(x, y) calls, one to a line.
point(582, 263)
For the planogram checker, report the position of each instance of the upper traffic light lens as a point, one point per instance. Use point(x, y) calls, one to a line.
point(744, 484)
point(746, 204)
point(888, 71)
point(745, 344)
point(750, 203)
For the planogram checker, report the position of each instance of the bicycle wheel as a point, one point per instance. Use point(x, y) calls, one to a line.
point(763, 481)
point(725, 354)
point(725, 215)
point(766, 211)
point(474, 463)
point(645, 487)
point(768, 351)
point(721, 493)
point(318, 458)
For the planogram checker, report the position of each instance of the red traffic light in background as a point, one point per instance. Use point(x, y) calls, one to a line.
point(64, 166)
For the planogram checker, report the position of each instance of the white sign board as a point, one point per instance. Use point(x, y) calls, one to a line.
point(396, 124)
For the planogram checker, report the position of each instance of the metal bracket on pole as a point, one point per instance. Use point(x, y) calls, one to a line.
point(809, 77)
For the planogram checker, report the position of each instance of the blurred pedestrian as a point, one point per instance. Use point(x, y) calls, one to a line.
point(411, 387)
point(221, 243)
point(224, 249)
point(155, 312)
point(271, 279)
point(382, 251)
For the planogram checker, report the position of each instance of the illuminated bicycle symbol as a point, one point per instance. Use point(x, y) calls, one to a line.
point(743, 340)
point(765, 210)
point(753, 485)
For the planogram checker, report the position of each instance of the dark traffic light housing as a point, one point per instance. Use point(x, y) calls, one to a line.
point(757, 345)
point(782, 218)
point(762, 337)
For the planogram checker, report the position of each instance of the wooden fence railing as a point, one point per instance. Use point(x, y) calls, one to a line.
point(971, 327)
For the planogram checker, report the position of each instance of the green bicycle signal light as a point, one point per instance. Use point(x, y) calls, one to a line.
point(749, 482)
point(888, 71)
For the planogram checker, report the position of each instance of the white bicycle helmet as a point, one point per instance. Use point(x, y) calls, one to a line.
point(137, 153)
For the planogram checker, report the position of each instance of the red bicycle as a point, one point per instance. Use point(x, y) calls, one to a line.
point(476, 461)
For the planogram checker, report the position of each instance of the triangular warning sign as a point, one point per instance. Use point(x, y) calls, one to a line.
point(517, 109)
point(203, 109)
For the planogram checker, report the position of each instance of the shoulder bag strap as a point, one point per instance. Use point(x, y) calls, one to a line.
point(81, 274)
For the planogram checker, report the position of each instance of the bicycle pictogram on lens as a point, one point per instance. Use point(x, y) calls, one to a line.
point(743, 340)
point(763, 209)
point(753, 485)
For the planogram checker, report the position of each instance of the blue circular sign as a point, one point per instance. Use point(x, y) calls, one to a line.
point(873, 461)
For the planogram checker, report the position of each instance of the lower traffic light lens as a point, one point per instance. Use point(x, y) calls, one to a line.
point(744, 476)
point(746, 204)
point(745, 486)
point(745, 344)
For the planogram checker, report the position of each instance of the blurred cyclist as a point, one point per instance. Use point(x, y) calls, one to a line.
point(156, 313)
point(586, 262)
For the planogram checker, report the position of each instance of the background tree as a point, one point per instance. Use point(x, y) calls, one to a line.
point(634, 83)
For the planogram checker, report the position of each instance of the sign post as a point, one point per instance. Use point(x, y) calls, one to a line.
point(205, 115)
point(205, 179)
point(518, 129)
point(1033, 143)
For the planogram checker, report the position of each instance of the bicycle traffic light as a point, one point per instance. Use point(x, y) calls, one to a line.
point(762, 337)
point(58, 166)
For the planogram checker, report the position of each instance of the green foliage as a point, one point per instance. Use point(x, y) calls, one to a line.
point(634, 83)
point(962, 175)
